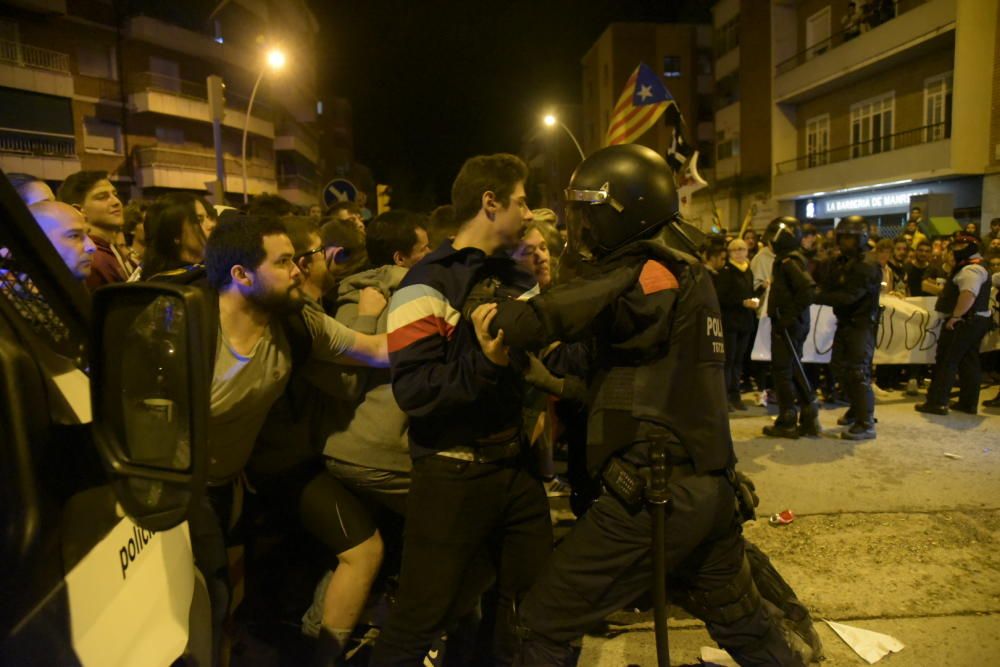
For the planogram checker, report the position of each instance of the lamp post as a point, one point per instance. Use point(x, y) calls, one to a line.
point(275, 60)
point(551, 120)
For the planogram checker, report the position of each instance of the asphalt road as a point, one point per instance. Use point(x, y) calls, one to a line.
point(897, 535)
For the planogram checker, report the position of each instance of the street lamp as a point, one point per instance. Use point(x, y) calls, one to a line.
point(275, 60)
point(551, 120)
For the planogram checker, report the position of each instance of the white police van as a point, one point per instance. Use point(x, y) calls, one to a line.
point(103, 409)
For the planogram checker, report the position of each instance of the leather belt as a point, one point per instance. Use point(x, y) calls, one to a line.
point(485, 453)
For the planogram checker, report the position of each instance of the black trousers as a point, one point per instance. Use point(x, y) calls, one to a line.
point(958, 354)
point(456, 513)
point(783, 365)
point(606, 562)
point(851, 363)
point(736, 342)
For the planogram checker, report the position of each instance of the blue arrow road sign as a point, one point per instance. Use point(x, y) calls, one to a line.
point(338, 190)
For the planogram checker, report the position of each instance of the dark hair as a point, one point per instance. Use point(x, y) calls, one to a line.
point(392, 232)
point(714, 250)
point(270, 205)
point(344, 234)
point(22, 181)
point(165, 220)
point(921, 244)
point(299, 230)
point(497, 173)
point(343, 206)
point(209, 209)
point(134, 213)
point(238, 239)
point(441, 225)
point(76, 186)
point(809, 229)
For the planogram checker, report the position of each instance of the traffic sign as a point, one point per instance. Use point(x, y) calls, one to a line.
point(338, 190)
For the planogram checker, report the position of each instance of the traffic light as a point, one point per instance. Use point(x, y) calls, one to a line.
point(216, 97)
point(383, 192)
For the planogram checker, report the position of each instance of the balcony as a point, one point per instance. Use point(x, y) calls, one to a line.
point(913, 154)
point(156, 93)
point(920, 26)
point(43, 154)
point(295, 137)
point(36, 69)
point(298, 189)
point(190, 169)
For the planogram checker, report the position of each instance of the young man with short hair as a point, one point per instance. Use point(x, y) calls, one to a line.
point(471, 493)
point(91, 193)
point(67, 230)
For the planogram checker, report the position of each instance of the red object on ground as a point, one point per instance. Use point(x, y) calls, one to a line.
point(782, 518)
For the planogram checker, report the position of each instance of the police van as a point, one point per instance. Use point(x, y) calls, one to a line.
point(103, 410)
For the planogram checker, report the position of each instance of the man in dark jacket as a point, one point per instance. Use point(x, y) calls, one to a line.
point(650, 315)
point(852, 288)
point(792, 292)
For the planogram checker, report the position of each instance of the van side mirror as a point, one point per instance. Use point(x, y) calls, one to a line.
point(150, 384)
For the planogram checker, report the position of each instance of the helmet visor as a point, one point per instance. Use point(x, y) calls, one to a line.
point(578, 226)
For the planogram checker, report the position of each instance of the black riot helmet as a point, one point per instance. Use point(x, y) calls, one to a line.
point(856, 226)
point(784, 234)
point(618, 195)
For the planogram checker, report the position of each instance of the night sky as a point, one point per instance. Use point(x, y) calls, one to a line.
point(435, 82)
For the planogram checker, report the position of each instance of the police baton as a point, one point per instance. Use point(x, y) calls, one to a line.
point(656, 496)
point(800, 372)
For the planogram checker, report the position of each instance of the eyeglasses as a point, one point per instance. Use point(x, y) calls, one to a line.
point(307, 253)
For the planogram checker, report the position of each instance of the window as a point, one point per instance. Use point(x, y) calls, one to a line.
point(165, 74)
point(170, 135)
point(727, 37)
point(101, 136)
point(727, 90)
point(96, 60)
point(671, 67)
point(818, 140)
point(726, 147)
point(218, 32)
point(818, 33)
point(937, 107)
point(872, 126)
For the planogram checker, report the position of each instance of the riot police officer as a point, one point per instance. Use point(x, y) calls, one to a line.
point(792, 292)
point(965, 306)
point(851, 286)
point(649, 316)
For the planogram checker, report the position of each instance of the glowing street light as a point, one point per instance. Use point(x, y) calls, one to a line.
point(275, 60)
point(551, 121)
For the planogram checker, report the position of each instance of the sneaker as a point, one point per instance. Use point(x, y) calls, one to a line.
point(931, 409)
point(761, 400)
point(557, 488)
point(993, 402)
point(859, 431)
point(880, 392)
point(911, 387)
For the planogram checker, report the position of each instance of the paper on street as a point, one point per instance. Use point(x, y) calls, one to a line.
point(870, 645)
point(716, 656)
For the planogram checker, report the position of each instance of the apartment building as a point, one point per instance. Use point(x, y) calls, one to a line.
point(742, 104)
point(867, 114)
point(682, 55)
point(84, 87)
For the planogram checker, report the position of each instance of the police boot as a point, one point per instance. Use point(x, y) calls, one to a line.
point(860, 430)
point(809, 421)
point(784, 426)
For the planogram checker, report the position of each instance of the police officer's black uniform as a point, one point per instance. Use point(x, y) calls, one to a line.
point(851, 286)
point(957, 350)
point(650, 314)
point(792, 292)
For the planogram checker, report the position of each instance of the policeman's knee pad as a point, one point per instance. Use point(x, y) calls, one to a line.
point(737, 599)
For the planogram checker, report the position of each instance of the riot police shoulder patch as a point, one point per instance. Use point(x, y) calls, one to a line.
point(655, 278)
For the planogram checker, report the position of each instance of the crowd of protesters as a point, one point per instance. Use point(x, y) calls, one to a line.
point(310, 428)
point(912, 265)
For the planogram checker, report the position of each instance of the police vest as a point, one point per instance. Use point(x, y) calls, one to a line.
point(948, 299)
point(681, 391)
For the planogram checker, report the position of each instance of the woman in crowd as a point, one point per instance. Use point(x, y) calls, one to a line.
point(174, 239)
point(734, 285)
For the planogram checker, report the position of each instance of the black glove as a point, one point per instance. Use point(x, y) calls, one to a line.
point(485, 291)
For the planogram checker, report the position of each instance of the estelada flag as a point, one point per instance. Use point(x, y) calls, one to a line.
point(642, 102)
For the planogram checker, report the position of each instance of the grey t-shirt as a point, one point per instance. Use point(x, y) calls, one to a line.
point(245, 387)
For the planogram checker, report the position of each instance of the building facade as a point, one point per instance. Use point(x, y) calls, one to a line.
point(85, 87)
point(742, 49)
point(868, 113)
